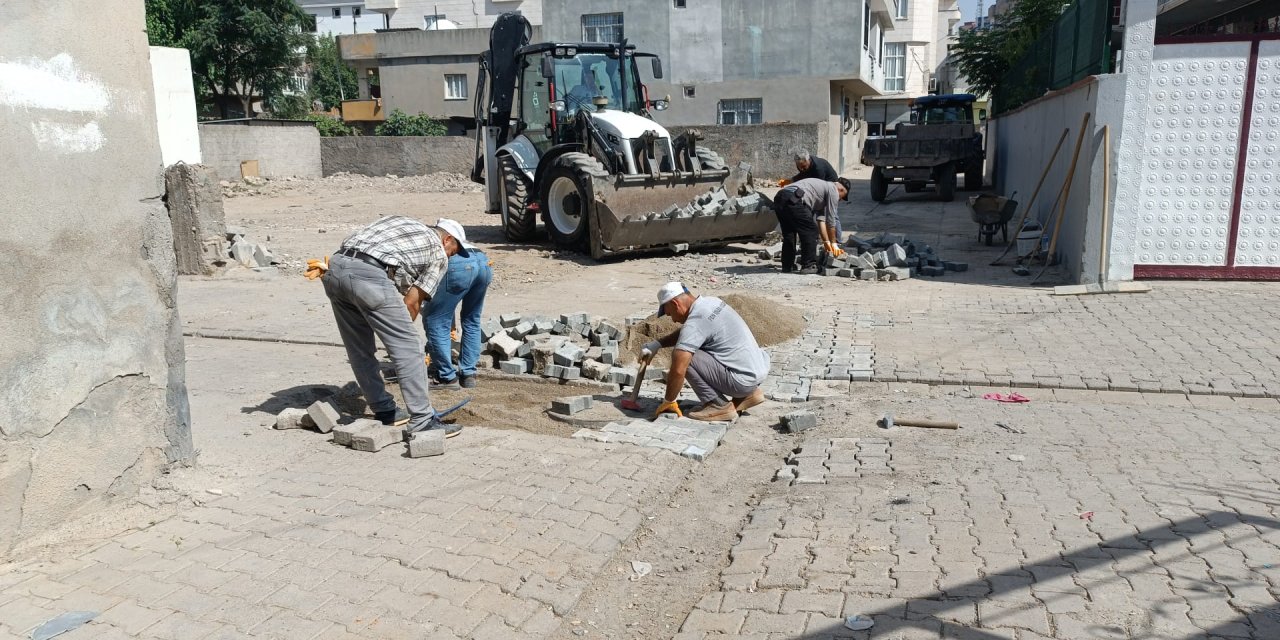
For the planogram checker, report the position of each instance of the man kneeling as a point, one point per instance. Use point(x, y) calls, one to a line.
point(714, 350)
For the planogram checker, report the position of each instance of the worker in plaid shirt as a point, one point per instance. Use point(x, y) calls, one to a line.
point(377, 283)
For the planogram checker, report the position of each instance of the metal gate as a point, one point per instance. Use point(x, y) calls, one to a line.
point(1211, 172)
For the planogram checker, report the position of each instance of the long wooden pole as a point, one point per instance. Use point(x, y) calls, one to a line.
point(1103, 256)
point(1066, 189)
point(1026, 211)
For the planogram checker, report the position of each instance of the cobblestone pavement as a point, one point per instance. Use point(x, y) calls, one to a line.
point(497, 539)
point(1112, 515)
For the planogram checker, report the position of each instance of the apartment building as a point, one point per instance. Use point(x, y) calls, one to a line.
point(914, 54)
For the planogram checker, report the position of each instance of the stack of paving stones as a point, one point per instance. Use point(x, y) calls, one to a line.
point(888, 256)
point(682, 436)
point(571, 347)
point(716, 202)
point(823, 460)
point(253, 255)
point(362, 434)
point(837, 349)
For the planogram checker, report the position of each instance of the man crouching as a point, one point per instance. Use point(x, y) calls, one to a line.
point(714, 350)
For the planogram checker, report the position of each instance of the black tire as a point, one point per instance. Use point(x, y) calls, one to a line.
point(973, 177)
point(519, 224)
point(568, 180)
point(946, 182)
point(913, 187)
point(879, 186)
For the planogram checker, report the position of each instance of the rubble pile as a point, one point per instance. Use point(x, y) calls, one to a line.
point(249, 254)
point(887, 256)
point(571, 347)
point(713, 203)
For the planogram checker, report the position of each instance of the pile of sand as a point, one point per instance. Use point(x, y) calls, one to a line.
point(770, 322)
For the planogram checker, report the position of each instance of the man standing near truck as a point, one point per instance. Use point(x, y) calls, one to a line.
point(803, 209)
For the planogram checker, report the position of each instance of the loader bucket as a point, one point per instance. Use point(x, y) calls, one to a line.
point(678, 210)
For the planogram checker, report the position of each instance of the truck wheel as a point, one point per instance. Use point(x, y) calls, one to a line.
point(567, 199)
point(946, 182)
point(973, 178)
point(519, 224)
point(879, 186)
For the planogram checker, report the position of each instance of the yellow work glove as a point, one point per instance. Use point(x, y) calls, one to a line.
point(453, 334)
point(783, 182)
point(316, 268)
point(668, 407)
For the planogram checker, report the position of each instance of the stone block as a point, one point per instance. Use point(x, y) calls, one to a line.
point(376, 438)
point(489, 328)
point(324, 414)
point(293, 419)
point(242, 252)
point(505, 345)
point(867, 274)
point(543, 356)
point(568, 354)
point(509, 320)
point(342, 434)
point(895, 273)
point(772, 252)
point(559, 328)
point(572, 319)
point(595, 370)
point(262, 256)
point(552, 371)
point(593, 353)
point(569, 373)
point(932, 271)
point(844, 273)
point(694, 452)
point(570, 405)
point(955, 266)
point(525, 350)
point(543, 325)
point(896, 255)
point(521, 330)
point(424, 444)
point(516, 366)
point(798, 421)
point(609, 354)
point(625, 376)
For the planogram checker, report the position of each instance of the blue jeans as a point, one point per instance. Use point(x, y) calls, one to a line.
point(466, 282)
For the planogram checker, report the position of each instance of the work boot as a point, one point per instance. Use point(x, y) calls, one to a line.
point(746, 402)
point(467, 382)
point(809, 270)
point(710, 412)
point(392, 417)
point(435, 384)
point(450, 430)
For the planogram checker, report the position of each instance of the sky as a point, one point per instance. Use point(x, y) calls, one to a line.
point(968, 7)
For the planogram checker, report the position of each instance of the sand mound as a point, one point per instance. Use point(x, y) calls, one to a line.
point(770, 322)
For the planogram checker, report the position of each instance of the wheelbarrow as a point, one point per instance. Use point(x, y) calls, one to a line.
point(992, 213)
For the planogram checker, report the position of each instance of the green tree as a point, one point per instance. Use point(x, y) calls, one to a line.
point(160, 27)
point(401, 124)
point(330, 127)
point(332, 81)
point(984, 56)
point(239, 48)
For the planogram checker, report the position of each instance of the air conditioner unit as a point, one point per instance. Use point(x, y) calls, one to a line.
point(933, 84)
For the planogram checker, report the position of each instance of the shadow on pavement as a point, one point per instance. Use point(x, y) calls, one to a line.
point(1258, 623)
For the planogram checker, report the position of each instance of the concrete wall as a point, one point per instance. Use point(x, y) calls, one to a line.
point(1023, 141)
point(395, 155)
point(347, 22)
point(94, 399)
point(467, 14)
point(768, 147)
point(280, 150)
point(175, 105)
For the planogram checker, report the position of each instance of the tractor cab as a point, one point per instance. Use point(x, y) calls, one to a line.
point(953, 108)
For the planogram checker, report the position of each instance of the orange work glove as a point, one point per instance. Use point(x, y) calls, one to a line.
point(783, 182)
point(316, 268)
point(668, 407)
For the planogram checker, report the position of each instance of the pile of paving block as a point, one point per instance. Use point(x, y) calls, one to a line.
point(888, 256)
point(253, 255)
point(362, 434)
point(571, 347)
point(713, 203)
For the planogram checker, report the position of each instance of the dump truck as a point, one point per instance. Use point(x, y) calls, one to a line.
point(566, 136)
point(940, 141)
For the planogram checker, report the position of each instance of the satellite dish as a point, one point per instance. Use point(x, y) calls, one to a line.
point(442, 24)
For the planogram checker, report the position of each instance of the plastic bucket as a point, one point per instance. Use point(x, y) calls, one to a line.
point(1029, 238)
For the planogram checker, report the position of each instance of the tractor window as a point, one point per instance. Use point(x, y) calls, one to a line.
point(955, 114)
point(535, 103)
point(573, 82)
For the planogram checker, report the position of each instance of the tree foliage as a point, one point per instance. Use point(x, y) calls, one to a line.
point(984, 56)
point(398, 123)
point(240, 49)
point(332, 81)
point(330, 127)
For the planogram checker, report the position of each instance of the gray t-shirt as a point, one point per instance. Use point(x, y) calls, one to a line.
point(713, 326)
point(819, 195)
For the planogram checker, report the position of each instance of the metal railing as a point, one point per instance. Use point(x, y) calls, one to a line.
point(1075, 47)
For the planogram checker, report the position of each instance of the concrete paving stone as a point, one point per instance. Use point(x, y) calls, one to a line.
point(293, 418)
point(181, 625)
point(376, 438)
point(425, 444)
point(707, 622)
point(324, 414)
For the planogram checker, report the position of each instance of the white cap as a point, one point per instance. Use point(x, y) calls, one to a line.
point(668, 292)
point(454, 229)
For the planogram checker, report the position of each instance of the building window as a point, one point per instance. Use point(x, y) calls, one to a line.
point(866, 24)
point(689, 91)
point(680, 4)
point(455, 86)
point(902, 9)
point(337, 12)
point(355, 12)
point(602, 27)
point(431, 23)
point(299, 83)
point(741, 111)
point(895, 66)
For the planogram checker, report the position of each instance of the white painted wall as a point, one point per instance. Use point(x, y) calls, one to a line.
point(175, 105)
point(346, 23)
point(467, 14)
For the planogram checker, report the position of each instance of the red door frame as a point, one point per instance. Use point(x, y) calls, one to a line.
point(1227, 271)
